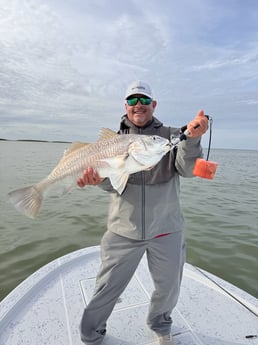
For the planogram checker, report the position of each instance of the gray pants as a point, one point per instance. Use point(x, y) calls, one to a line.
point(120, 257)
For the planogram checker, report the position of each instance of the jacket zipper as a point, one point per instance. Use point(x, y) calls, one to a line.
point(143, 206)
point(143, 201)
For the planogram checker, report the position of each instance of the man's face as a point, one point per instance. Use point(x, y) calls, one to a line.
point(140, 114)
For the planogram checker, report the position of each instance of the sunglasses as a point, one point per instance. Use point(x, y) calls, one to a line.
point(143, 99)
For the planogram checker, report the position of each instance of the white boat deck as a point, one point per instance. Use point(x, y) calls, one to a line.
point(47, 307)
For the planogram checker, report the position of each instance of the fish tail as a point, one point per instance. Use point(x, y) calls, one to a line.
point(27, 200)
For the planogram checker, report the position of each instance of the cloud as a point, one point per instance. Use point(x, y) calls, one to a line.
point(64, 66)
point(233, 61)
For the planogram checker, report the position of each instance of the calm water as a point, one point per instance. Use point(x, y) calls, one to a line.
point(221, 216)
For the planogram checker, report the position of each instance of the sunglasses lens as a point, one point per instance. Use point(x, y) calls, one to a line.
point(132, 101)
point(144, 100)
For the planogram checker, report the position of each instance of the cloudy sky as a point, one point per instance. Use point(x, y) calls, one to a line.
point(65, 64)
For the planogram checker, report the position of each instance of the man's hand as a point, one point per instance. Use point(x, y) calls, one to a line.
point(198, 126)
point(89, 177)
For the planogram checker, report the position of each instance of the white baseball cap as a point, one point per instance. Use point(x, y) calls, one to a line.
point(138, 87)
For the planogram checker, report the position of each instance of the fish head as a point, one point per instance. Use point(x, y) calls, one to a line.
point(148, 150)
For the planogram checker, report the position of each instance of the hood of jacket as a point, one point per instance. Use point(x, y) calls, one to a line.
point(126, 126)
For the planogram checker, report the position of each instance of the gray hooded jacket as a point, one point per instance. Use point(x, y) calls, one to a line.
point(149, 205)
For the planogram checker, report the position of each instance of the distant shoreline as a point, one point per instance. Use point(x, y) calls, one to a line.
point(38, 141)
point(69, 142)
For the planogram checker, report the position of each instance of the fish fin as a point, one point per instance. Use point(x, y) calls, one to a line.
point(142, 158)
point(119, 181)
point(107, 133)
point(74, 147)
point(27, 200)
point(115, 162)
point(62, 187)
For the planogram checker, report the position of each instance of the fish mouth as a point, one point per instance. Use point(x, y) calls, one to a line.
point(166, 147)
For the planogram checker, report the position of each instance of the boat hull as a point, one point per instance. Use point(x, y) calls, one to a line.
point(47, 307)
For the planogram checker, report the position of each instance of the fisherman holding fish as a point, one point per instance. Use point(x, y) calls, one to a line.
point(144, 217)
point(141, 170)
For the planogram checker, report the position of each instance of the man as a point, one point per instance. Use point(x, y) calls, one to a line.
point(145, 218)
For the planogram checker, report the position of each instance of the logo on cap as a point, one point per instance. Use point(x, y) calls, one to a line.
point(138, 87)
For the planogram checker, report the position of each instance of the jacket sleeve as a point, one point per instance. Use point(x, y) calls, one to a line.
point(187, 153)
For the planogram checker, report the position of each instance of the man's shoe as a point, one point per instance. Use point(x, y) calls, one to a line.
point(166, 340)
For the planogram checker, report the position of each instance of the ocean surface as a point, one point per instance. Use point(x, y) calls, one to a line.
point(221, 216)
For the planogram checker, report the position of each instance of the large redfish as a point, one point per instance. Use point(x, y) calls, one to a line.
point(113, 156)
